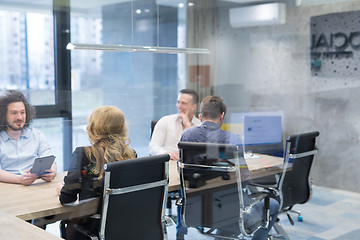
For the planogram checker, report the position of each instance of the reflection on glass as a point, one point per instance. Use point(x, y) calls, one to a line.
point(216, 198)
point(52, 130)
point(27, 52)
point(144, 86)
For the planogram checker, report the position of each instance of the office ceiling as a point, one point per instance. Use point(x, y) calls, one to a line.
point(296, 2)
point(91, 4)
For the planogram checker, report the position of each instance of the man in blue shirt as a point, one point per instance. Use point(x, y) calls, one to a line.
point(19, 143)
point(212, 113)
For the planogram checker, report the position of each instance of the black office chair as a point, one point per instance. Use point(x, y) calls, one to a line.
point(134, 200)
point(214, 197)
point(152, 126)
point(294, 186)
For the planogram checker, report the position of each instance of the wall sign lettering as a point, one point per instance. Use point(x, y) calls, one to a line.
point(335, 44)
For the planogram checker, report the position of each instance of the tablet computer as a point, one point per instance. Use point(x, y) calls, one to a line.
point(41, 164)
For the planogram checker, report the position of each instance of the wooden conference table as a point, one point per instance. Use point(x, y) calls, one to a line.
point(19, 203)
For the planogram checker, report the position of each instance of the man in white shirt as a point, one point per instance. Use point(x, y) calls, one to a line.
point(169, 129)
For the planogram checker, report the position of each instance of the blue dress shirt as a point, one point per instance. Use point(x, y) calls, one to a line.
point(210, 132)
point(18, 156)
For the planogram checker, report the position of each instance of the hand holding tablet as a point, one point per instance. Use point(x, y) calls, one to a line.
point(42, 164)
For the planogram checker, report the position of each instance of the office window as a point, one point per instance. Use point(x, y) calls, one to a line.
point(254, 66)
point(53, 131)
point(27, 52)
point(143, 85)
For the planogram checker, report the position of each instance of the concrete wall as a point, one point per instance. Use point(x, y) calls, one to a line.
point(269, 67)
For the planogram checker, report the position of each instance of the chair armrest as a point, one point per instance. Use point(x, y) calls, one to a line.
point(274, 191)
point(257, 197)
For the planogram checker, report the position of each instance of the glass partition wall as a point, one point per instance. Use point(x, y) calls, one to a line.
point(257, 62)
point(27, 52)
point(143, 85)
point(302, 61)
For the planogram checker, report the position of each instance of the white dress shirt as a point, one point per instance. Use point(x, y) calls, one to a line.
point(167, 133)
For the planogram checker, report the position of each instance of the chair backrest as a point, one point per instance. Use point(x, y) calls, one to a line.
point(152, 126)
point(216, 200)
point(195, 153)
point(134, 198)
point(295, 186)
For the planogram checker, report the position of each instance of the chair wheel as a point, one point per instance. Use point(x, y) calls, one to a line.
point(300, 218)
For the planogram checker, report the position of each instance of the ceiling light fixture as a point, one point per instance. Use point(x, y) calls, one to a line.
point(130, 48)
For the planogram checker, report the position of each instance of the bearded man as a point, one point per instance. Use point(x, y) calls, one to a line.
point(20, 144)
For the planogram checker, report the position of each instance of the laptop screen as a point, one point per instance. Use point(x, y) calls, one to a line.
point(262, 129)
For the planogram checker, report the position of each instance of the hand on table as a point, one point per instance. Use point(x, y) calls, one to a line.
point(59, 187)
point(173, 155)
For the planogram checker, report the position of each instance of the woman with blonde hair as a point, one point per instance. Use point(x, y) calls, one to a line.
point(108, 137)
point(109, 142)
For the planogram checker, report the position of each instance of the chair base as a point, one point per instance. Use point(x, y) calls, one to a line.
point(172, 196)
point(290, 210)
point(280, 232)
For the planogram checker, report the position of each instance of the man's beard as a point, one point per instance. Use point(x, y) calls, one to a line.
point(16, 128)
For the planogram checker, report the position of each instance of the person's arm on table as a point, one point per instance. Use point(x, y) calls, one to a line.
point(25, 179)
point(68, 189)
point(173, 155)
point(59, 186)
point(158, 138)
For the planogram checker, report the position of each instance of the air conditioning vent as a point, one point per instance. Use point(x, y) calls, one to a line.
point(258, 15)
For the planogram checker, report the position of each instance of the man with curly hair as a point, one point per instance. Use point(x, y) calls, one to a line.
point(20, 144)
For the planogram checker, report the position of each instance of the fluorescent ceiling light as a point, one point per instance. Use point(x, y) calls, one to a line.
point(130, 48)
